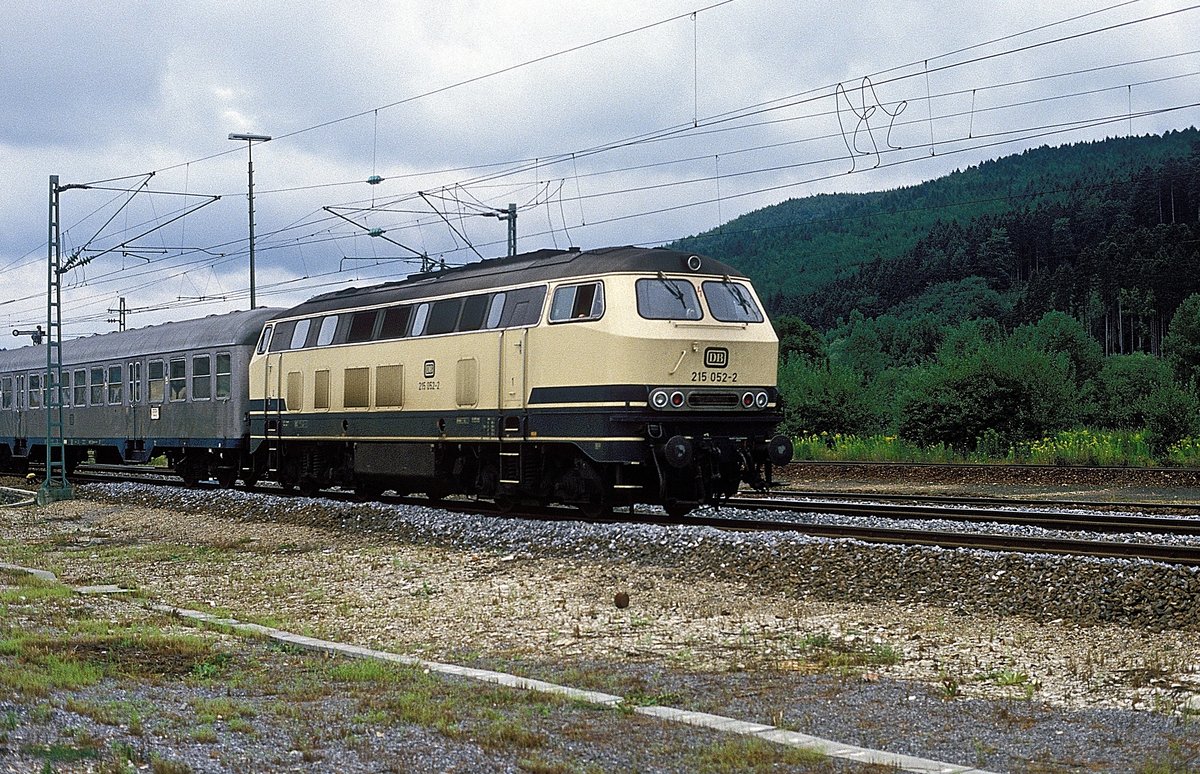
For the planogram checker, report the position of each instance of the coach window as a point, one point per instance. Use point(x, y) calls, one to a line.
point(443, 316)
point(328, 328)
point(135, 383)
point(64, 390)
point(419, 318)
point(177, 384)
point(264, 340)
point(35, 391)
point(224, 375)
point(19, 392)
point(578, 302)
point(97, 396)
point(80, 387)
point(731, 302)
point(201, 377)
point(114, 384)
point(156, 381)
point(6, 392)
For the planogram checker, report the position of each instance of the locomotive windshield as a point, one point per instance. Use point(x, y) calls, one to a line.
point(731, 302)
point(667, 299)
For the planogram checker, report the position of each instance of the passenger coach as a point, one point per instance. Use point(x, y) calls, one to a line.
point(176, 389)
point(596, 378)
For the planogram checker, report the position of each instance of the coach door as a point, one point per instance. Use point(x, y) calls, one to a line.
point(19, 405)
point(135, 413)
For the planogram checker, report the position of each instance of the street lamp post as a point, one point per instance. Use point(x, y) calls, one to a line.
point(250, 140)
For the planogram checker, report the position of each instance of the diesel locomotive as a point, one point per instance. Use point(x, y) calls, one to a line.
point(596, 378)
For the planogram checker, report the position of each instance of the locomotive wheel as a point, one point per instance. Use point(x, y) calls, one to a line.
point(367, 491)
point(227, 477)
point(677, 509)
point(595, 510)
point(309, 486)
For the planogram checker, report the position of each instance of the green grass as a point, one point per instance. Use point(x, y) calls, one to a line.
point(34, 662)
point(1084, 447)
point(751, 755)
point(825, 652)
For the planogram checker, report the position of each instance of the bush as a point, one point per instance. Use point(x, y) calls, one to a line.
point(823, 398)
point(1000, 393)
point(1170, 415)
point(1117, 397)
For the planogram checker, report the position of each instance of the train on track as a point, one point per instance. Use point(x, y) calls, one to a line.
point(597, 379)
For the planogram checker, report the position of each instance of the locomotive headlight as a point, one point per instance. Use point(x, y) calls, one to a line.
point(760, 400)
point(677, 399)
point(659, 399)
point(748, 400)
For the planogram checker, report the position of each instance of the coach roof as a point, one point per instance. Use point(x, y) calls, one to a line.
point(539, 266)
point(212, 332)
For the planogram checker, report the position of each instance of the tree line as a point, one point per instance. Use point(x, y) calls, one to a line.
point(1031, 294)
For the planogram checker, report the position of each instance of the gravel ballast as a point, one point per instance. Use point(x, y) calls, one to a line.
point(989, 659)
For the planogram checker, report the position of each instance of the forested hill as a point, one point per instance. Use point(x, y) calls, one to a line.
point(1097, 230)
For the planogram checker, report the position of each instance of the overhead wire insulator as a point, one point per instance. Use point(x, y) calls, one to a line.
point(375, 232)
point(374, 180)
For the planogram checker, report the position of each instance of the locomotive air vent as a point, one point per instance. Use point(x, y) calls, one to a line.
point(712, 400)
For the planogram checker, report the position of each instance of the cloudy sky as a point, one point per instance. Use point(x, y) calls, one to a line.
point(605, 122)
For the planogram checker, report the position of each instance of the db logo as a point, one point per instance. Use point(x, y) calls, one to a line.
point(429, 369)
point(716, 357)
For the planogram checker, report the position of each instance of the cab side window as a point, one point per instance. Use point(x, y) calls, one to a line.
point(578, 302)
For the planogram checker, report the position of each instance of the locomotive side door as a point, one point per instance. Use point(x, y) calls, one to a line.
point(513, 342)
point(513, 429)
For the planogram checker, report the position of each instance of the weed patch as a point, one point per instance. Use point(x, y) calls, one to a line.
point(751, 755)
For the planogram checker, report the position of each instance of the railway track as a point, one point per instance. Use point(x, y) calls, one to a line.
point(969, 510)
point(966, 511)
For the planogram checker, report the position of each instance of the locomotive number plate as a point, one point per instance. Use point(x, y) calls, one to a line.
point(715, 377)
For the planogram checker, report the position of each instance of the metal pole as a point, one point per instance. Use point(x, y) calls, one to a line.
point(250, 196)
point(250, 140)
point(512, 229)
point(55, 487)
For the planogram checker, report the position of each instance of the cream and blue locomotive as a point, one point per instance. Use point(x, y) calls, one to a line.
point(597, 379)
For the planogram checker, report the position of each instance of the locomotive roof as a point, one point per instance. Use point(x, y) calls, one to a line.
point(216, 330)
point(538, 266)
